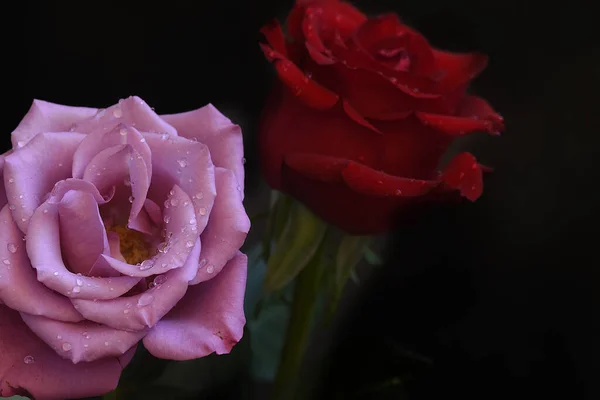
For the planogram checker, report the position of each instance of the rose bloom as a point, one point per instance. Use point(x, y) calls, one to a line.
point(363, 113)
point(117, 226)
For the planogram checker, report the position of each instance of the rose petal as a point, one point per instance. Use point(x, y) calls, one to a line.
point(112, 166)
point(99, 140)
point(114, 241)
point(304, 88)
point(44, 116)
point(29, 365)
point(35, 170)
point(210, 318)
point(457, 69)
point(181, 230)
point(19, 287)
point(274, 35)
point(3, 199)
point(82, 341)
point(43, 249)
point(223, 138)
point(476, 107)
point(131, 111)
point(153, 211)
point(146, 309)
point(227, 227)
point(82, 234)
point(187, 164)
point(465, 174)
point(62, 187)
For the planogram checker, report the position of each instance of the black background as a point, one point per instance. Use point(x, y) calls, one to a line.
point(502, 295)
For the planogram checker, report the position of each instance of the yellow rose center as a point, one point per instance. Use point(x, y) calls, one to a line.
point(133, 245)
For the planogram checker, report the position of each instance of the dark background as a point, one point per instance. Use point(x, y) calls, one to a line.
point(499, 296)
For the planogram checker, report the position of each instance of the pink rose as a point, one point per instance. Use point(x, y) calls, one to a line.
point(117, 226)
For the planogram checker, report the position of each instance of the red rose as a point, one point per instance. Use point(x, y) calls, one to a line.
point(366, 110)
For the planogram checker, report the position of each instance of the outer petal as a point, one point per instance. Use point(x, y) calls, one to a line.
point(32, 171)
point(223, 138)
point(131, 111)
point(3, 199)
point(307, 90)
point(43, 248)
point(28, 365)
point(19, 287)
point(227, 227)
point(83, 341)
point(82, 234)
point(290, 126)
point(144, 310)
point(463, 173)
point(187, 164)
point(44, 116)
point(456, 70)
point(210, 318)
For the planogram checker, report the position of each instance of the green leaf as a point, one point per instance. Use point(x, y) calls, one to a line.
point(296, 245)
point(372, 257)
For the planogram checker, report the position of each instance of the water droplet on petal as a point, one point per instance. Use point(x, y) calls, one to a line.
point(166, 219)
point(67, 346)
point(125, 311)
point(11, 180)
point(55, 274)
point(189, 244)
point(143, 140)
point(12, 247)
point(145, 300)
point(20, 143)
point(174, 202)
point(12, 207)
point(186, 203)
point(76, 289)
point(79, 282)
point(130, 199)
point(210, 269)
point(106, 343)
point(146, 265)
point(6, 261)
point(29, 360)
point(127, 182)
point(202, 263)
point(202, 211)
point(199, 195)
point(182, 162)
point(123, 132)
point(58, 337)
point(160, 279)
point(117, 113)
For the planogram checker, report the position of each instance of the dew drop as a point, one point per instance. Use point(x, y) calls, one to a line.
point(106, 343)
point(117, 113)
point(79, 282)
point(186, 203)
point(398, 191)
point(199, 196)
point(6, 261)
point(20, 143)
point(11, 180)
point(182, 162)
point(160, 279)
point(125, 311)
point(12, 207)
point(23, 219)
point(202, 263)
point(29, 360)
point(210, 269)
point(86, 345)
point(55, 274)
point(166, 219)
point(66, 346)
point(45, 211)
point(163, 247)
point(202, 211)
point(123, 132)
point(127, 182)
point(130, 199)
point(174, 202)
point(167, 203)
point(171, 192)
point(192, 221)
point(189, 244)
point(145, 300)
point(146, 265)
point(12, 247)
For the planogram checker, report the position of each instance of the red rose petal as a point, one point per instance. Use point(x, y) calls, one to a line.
point(476, 107)
point(305, 89)
point(457, 69)
point(315, 166)
point(274, 35)
point(464, 174)
point(365, 180)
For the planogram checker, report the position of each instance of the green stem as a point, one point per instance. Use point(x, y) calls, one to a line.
point(297, 338)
